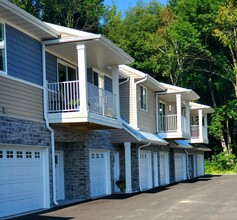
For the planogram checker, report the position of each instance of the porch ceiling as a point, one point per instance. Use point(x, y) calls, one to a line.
point(171, 97)
point(98, 53)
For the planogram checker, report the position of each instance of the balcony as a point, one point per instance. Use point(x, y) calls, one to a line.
point(199, 134)
point(169, 127)
point(64, 104)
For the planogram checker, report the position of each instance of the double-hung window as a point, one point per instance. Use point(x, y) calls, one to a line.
point(2, 48)
point(66, 72)
point(143, 98)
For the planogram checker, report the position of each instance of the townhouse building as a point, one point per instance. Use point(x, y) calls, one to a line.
point(74, 119)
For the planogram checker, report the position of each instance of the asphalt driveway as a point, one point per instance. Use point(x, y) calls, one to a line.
point(209, 197)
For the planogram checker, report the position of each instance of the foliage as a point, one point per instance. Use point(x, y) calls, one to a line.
point(78, 14)
point(121, 185)
point(221, 163)
point(34, 7)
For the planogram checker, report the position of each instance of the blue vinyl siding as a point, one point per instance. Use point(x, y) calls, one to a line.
point(51, 68)
point(24, 60)
point(108, 84)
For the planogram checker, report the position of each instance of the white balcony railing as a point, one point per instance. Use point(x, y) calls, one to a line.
point(195, 132)
point(65, 97)
point(168, 123)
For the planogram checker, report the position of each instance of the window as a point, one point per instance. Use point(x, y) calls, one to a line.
point(66, 72)
point(2, 48)
point(143, 97)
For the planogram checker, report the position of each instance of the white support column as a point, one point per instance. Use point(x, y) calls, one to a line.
point(200, 123)
point(205, 126)
point(82, 76)
point(188, 116)
point(115, 83)
point(157, 113)
point(179, 113)
point(128, 171)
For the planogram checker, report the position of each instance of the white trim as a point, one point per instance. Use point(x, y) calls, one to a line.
point(116, 170)
point(28, 17)
point(5, 46)
point(66, 64)
point(141, 97)
point(20, 80)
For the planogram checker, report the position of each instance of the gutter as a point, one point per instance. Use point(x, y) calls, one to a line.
point(135, 99)
point(125, 81)
point(139, 161)
point(45, 97)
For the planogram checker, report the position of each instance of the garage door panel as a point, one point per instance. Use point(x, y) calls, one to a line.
point(21, 180)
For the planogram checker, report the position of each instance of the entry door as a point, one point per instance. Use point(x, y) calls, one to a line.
point(200, 165)
point(59, 175)
point(99, 173)
point(155, 169)
point(190, 166)
point(116, 171)
point(164, 168)
point(180, 167)
point(145, 169)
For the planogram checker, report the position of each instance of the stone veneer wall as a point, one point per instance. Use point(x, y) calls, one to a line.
point(23, 132)
point(76, 144)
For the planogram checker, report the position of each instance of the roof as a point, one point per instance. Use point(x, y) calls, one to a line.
point(100, 51)
point(149, 80)
point(142, 136)
point(197, 106)
point(182, 144)
point(171, 90)
point(27, 22)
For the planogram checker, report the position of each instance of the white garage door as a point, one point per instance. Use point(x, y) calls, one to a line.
point(21, 180)
point(200, 165)
point(99, 173)
point(180, 167)
point(145, 169)
point(164, 167)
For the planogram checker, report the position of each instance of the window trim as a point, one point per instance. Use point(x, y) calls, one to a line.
point(5, 46)
point(142, 97)
point(62, 62)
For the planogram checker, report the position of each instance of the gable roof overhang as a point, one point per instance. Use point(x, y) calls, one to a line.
point(150, 82)
point(171, 91)
point(194, 107)
point(26, 22)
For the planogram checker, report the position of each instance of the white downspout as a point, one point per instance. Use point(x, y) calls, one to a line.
point(45, 98)
point(187, 170)
point(135, 100)
point(139, 149)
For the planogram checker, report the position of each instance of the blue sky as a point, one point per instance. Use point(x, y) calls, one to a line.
point(125, 4)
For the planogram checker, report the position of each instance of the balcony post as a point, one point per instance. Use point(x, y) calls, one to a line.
point(115, 84)
point(82, 76)
point(188, 117)
point(200, 123)
point(179, 113)
point(205, 126)
point(128, 170)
